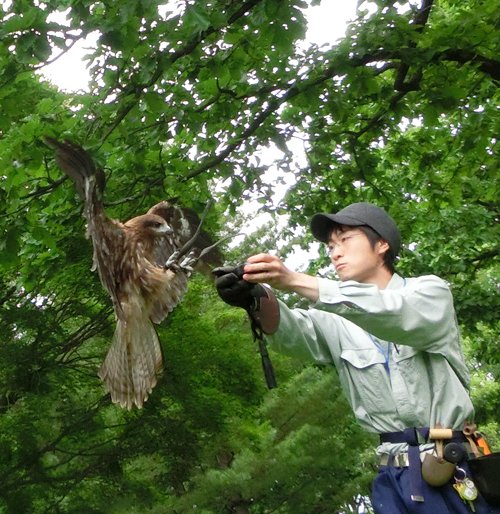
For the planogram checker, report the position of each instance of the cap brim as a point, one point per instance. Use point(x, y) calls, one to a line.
point(323, 224)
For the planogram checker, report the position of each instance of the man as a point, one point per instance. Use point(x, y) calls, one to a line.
point(394, 342)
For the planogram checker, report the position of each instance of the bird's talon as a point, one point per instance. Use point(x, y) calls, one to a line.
point(186, 265)
point(172, 261)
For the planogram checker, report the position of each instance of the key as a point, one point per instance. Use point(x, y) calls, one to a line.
point(470, 490)
point(460, 487)
point(467, 491)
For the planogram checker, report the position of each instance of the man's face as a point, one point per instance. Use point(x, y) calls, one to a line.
point(354, 257)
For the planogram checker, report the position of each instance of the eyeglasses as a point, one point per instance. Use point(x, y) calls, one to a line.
point(341, 243)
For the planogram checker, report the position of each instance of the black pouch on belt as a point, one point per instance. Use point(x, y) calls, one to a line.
point(485, 472)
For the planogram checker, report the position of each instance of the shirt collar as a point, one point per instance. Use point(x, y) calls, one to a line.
point(396, 282)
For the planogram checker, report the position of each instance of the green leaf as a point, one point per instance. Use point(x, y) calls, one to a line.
point(9, 248)
point(154, 102)
point(196, 18)
point(19, 22)
point(42, 48)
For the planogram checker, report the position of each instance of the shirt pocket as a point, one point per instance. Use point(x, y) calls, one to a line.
point(408, 361)
point(362, 358)
point(404, 352)
point(369, 385)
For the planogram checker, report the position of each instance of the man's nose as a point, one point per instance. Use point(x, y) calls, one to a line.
point(336, 252)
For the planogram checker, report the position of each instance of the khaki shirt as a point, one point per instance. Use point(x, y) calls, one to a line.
point(397, 350)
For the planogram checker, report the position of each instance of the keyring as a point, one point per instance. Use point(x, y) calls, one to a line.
point(458, 468)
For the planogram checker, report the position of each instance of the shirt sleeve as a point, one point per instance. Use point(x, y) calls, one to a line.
point(301, 334)
point(420, 314)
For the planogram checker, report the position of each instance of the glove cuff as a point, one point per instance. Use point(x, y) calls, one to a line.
point(266, 311)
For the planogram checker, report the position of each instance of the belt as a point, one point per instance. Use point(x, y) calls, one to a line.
point(420, 435)
point(401, 460)
point(414, 436)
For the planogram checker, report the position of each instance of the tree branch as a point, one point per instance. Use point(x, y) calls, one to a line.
point(420, 20)
point(488, 66)
point(256, 123)
point(166, 60)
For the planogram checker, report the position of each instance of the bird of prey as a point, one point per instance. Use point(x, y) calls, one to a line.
point(144, 264)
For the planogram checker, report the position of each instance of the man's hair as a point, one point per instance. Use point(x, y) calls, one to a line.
point(373, 237)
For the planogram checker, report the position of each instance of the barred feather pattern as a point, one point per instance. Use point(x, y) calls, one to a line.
point(129, 258)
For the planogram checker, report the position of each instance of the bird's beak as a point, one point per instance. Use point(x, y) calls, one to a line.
point(166, 229)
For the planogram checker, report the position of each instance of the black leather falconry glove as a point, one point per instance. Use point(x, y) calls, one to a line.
point(260, 304)
point(234, 290)
point(259, 301)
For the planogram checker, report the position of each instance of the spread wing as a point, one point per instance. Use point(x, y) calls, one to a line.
point(184, 223)
point(107, 235)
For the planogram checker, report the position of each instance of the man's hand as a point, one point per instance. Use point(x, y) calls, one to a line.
point(269, 269)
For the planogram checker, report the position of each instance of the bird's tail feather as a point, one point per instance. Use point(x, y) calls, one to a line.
point(132, 363)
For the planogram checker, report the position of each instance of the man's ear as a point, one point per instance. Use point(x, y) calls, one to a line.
point(382, 246)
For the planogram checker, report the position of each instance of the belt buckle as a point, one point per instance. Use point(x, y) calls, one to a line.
point(402, 460)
